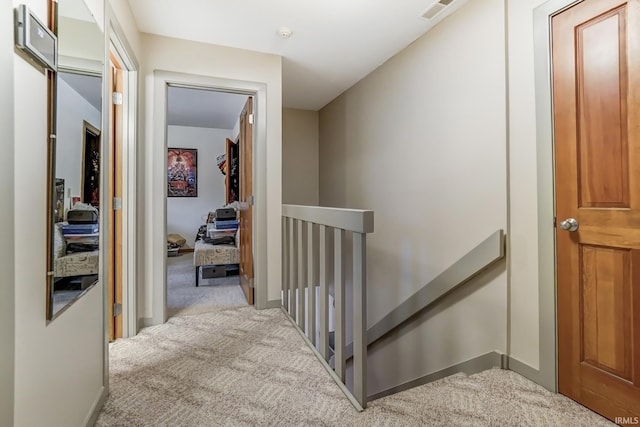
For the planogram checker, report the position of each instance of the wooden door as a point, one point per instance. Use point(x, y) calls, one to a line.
point(232, 172)
point(246, 202)
point(596, 77)
point(115, 194)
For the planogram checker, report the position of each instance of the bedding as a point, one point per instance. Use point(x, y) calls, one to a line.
point(208, 254)
point(77, 264)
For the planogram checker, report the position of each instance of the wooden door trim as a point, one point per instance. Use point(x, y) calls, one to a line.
point(120, 49)
point(116, 146)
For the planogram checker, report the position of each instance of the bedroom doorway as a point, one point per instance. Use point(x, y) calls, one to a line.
point(203, 164)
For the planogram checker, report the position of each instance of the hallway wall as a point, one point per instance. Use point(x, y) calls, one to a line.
point(524, 310)
point(58, 366)
point(449, 128)
point(421, 141)
point(7, 232)
point(300, 157)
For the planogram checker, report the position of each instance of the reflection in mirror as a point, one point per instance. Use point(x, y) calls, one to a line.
point(76, 156)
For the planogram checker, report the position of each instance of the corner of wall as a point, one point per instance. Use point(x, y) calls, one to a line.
point(7, 236)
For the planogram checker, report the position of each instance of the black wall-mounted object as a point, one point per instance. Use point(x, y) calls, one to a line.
point(35, 39)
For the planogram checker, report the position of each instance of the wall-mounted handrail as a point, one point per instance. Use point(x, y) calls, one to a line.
point(491, 250)
point(306, 261)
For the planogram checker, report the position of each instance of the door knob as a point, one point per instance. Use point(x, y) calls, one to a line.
point(569, 224)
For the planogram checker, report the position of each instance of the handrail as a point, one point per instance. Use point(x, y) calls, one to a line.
point(491, 250)
point(307, 232)
point(356, 220)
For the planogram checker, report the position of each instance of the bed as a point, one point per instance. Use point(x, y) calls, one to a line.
point(72, 264)
point(77, 264)
point(206, 254)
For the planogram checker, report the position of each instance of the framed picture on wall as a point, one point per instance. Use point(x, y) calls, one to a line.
point(182, 172)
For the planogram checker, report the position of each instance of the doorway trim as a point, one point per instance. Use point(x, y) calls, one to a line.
point(157, 230)
point(117, 43)
point(547, 375)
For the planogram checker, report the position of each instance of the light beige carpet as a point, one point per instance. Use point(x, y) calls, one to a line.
point(183, 297)
point(242, 367)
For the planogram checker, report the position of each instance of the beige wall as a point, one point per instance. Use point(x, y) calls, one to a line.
point(422, 142)
point(300, 157)
point(58, 367)
point(179, 56)
point(524, 306)
point(127, 23)
point(342, 123)
point(7, 232)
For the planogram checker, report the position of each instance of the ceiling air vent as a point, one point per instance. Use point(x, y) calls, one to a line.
point(436, 9)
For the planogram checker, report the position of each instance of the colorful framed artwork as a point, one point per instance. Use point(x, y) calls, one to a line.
point(182, 172)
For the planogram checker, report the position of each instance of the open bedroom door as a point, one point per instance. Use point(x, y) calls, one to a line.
point(246, 200)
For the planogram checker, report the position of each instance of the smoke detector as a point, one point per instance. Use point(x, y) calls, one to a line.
point(284, 32)
point(436, 9)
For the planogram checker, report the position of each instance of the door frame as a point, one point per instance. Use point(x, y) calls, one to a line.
point(117, 43)
point(547, 374)
point(156, 239)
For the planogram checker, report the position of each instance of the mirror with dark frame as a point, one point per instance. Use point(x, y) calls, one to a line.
point(75, 156)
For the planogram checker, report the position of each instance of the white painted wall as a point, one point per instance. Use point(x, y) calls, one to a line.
point(80, 39)
point(184, 214)
point(70, 136)
point(300, 157)
point(173, 55)
point(58, 367)
point(421, 141)
point(523, 175)
point(7, 233)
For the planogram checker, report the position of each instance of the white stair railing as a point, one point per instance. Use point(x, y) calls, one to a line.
point(307, 232)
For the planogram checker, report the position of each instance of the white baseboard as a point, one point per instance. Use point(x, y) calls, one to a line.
point(92, 416)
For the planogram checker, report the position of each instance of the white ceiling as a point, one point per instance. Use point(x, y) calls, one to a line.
point(75, 9)
point(334, 43)
point(203, 108)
